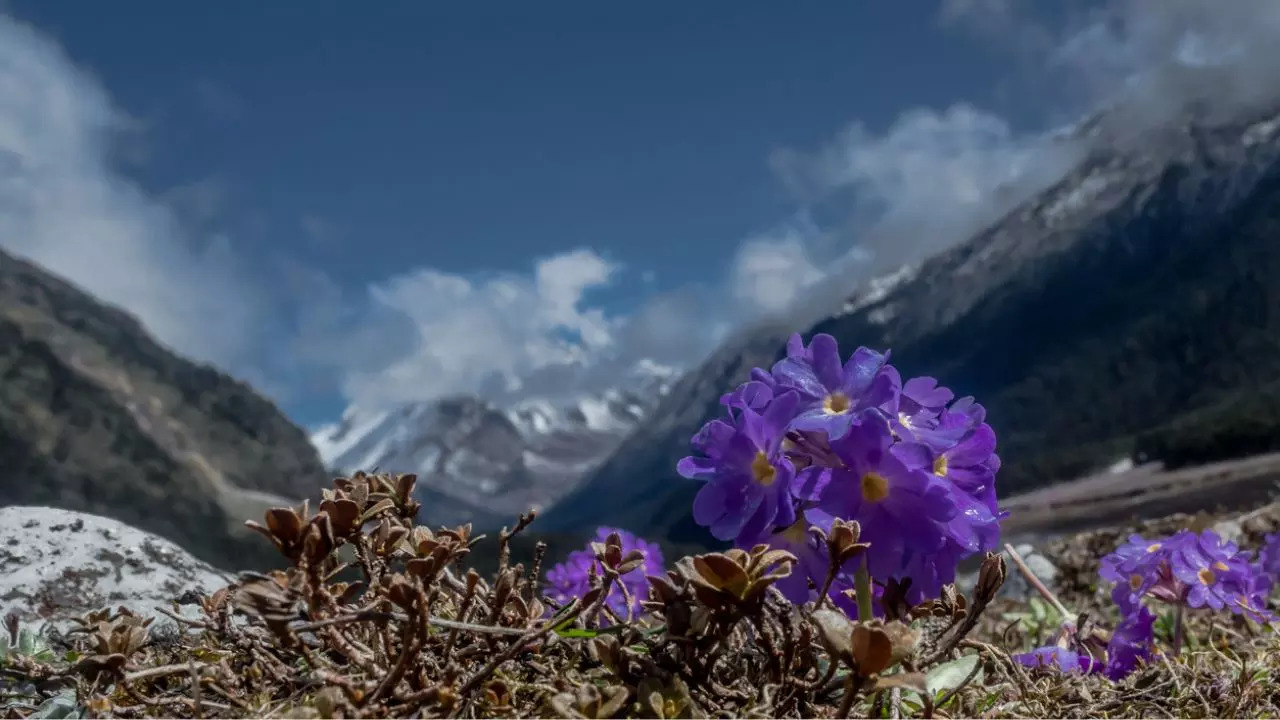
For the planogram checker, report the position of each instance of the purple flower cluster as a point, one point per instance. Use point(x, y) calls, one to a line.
point(817, 438)
point(1195, 570)
point(1131, 643)
point(1188, 569)
point(572, 578)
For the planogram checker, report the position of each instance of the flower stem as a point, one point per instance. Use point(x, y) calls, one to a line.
point(1039, 585)
point(1177, 629)
point(862, 584)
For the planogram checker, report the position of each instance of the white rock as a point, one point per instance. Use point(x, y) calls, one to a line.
point(1230, 531)
point(57, 564)
point(1015, 585)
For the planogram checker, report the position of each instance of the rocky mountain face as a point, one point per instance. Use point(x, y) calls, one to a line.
point(482, 463)
point(97, 417)
point(1137, 292)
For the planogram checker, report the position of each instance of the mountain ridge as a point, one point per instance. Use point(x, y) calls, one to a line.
point(482, 462)
point(96, 416)
point(1014, 315)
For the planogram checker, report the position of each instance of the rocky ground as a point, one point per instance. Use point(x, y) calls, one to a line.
point(249, 644)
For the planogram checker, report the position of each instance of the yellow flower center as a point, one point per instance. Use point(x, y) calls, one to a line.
point(1153, 547)
point(940, 466)
point(1135, 581)
point(875, 487)
point(836, 403)
point(763, 470)
point(1221, 566)
point(1206, 576)
point(671, 708)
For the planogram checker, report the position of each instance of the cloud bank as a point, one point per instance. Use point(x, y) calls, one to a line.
point(63, 206)
point(867, 202)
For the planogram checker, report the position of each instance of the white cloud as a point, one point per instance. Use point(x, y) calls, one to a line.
point(927, 182)
point(1146, 61)
point(770, 272)
point(487, 334)
point(64, 207)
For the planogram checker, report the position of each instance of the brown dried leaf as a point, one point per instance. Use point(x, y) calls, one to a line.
point(720, 571)
point(404, 487)
point(872, 650)
point(284, 523)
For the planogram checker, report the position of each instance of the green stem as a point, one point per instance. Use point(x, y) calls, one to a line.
point(862, 584)
point(1177, 630)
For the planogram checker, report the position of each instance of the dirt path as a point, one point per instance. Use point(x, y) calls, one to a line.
point(1144, 491)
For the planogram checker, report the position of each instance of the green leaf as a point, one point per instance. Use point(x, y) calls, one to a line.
point(585, 633)
point(62, 705)
point(1039, 610)
point(31, 644)
point(946, 677)
point(950, 675)
point(28, 641)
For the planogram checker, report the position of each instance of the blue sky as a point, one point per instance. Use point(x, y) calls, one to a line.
point(365, 203)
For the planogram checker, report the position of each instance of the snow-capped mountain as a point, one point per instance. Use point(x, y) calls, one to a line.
point(483, 463)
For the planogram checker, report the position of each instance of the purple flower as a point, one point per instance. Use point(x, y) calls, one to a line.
point(1252, 602)
point(1209, 569)
point(818, 438)
point(756, 393)
point(812, 560)
point(1131, 643)
point(748, 477)
point(1195, 570)
point(831, 393)
point(923, 397)
point(1140, 567)
point(1269, 555)
point(1057, 658)
point(975, 526)
point(571, 578)
point(901, 510)
point(920, 405)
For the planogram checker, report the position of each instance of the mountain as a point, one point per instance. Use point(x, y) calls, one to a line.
point(483, 463)
point(97, 417)
point(1120, 310)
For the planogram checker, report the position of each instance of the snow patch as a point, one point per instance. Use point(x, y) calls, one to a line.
point(334, 441)
point(1261, 132)
point(878, 288)
point(1081, 196)
point(1120, 466)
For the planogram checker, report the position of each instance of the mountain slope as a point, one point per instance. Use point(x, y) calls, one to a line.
point(96, 417)
point(484, 464)
point(1138, 289)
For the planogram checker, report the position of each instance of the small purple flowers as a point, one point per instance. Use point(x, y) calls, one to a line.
point(1189, 569)
point(572, 578)
point(818, 438)
point(1131, 643)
